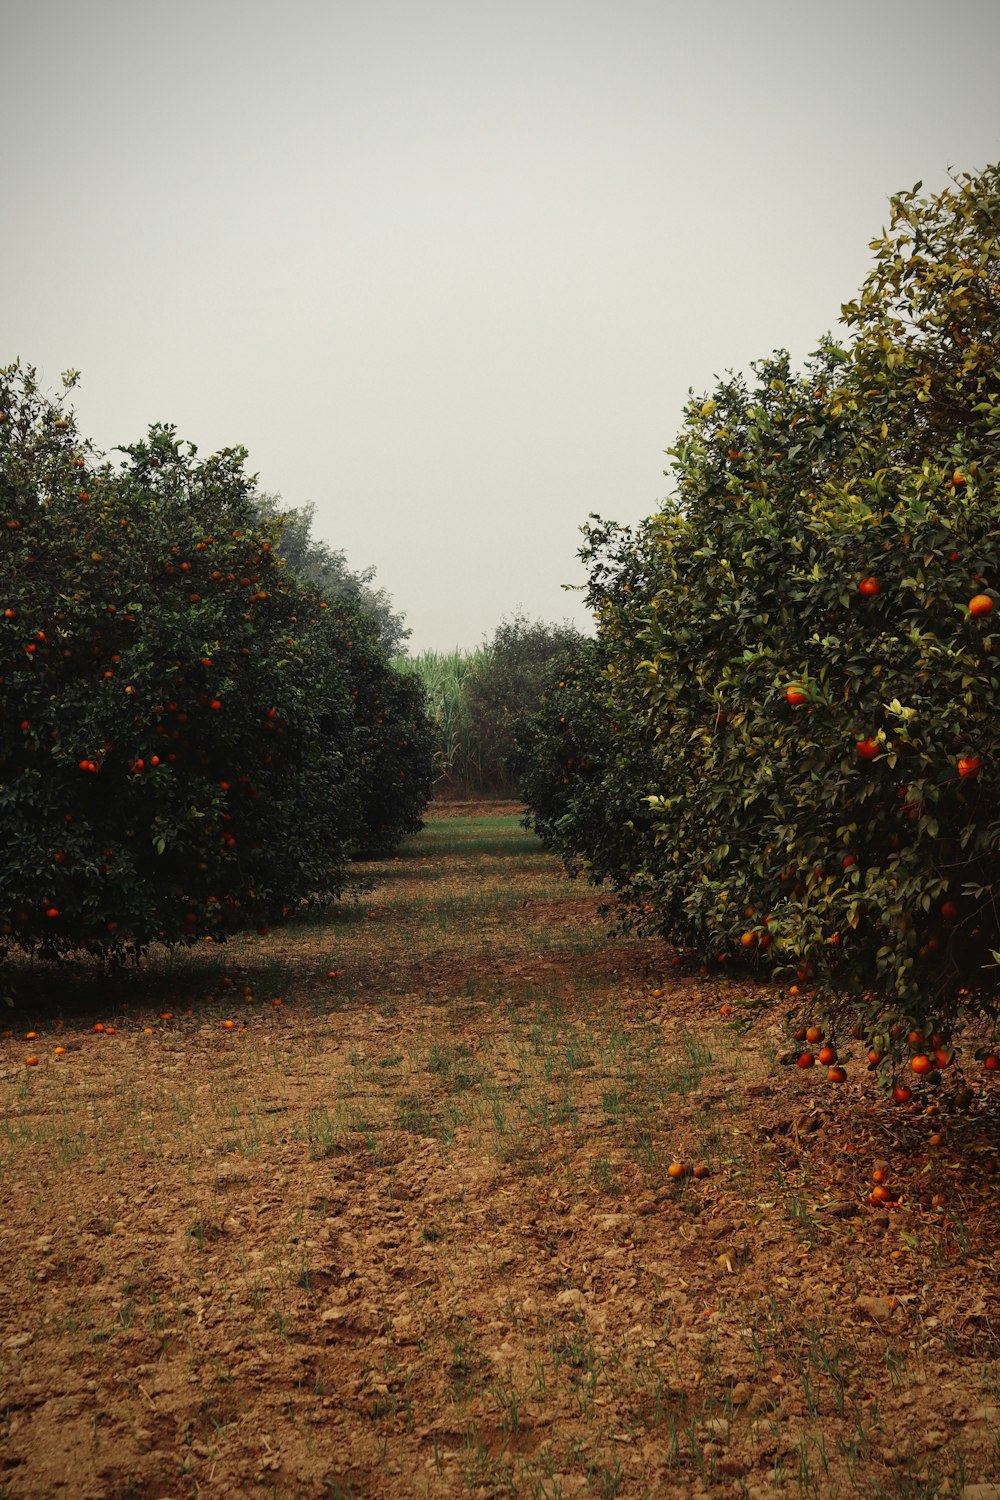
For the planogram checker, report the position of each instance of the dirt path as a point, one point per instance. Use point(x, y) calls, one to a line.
point(412, 1230)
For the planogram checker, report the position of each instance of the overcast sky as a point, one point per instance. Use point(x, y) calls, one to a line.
point(449, 269)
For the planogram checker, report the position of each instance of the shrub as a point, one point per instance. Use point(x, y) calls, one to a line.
point(504, 686)
point(179, 747)
point(818, 697)
point(391, 738)
point(582, 770)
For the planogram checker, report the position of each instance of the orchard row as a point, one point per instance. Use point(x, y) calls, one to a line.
point(193, 741)
point(783, 745)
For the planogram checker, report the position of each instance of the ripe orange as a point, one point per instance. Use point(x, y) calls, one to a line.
point(827, 1055)
point(921, 1064)
point(748, 939)
point(814, 1034)
point(874, 1057)
point(725, 1010)
point(31, 1062)
point(869, 587)
point(676, 1169)
point(837, 1075)
point(228, 1025)
point(901, 1094)
point(867, 749)
point(980, 604)
point(806, 1060)
point(949, 911)
point(795, 694)
point(991, 1062)
point(98, 1025)
point(968, 767)
point(58, 1051)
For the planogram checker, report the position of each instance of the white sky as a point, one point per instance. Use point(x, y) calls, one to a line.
point(449, 269)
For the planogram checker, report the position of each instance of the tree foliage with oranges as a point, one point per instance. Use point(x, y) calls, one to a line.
point(814, 660)
point(190, 737)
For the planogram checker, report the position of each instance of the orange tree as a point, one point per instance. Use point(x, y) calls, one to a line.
point(819, 652)
point(579, 769)
point(180, 736)
point(388, 737)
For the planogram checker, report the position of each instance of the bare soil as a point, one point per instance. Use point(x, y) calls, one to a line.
point(381, 1205)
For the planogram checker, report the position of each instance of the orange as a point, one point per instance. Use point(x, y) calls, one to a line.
point(869, 587)
point(676, 1169)
point(980, 604)
point(814, 1034)
point(837, 1075)
point(806, 1060)
point(921, 1064)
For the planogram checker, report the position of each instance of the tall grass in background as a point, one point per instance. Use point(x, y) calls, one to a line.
point(478, 700)
point(460, 758)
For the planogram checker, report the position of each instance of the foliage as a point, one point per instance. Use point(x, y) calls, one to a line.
point(478, 700)
point(457, 754)
point(505, 684)
point(183, 743)
point(824, 781)
point(582, 776)
point(391, 744)
point(326, 568)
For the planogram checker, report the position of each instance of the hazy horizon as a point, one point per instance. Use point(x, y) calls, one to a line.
point(449, 271)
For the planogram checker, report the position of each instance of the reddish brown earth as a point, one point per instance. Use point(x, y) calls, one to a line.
point(412, 1231)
